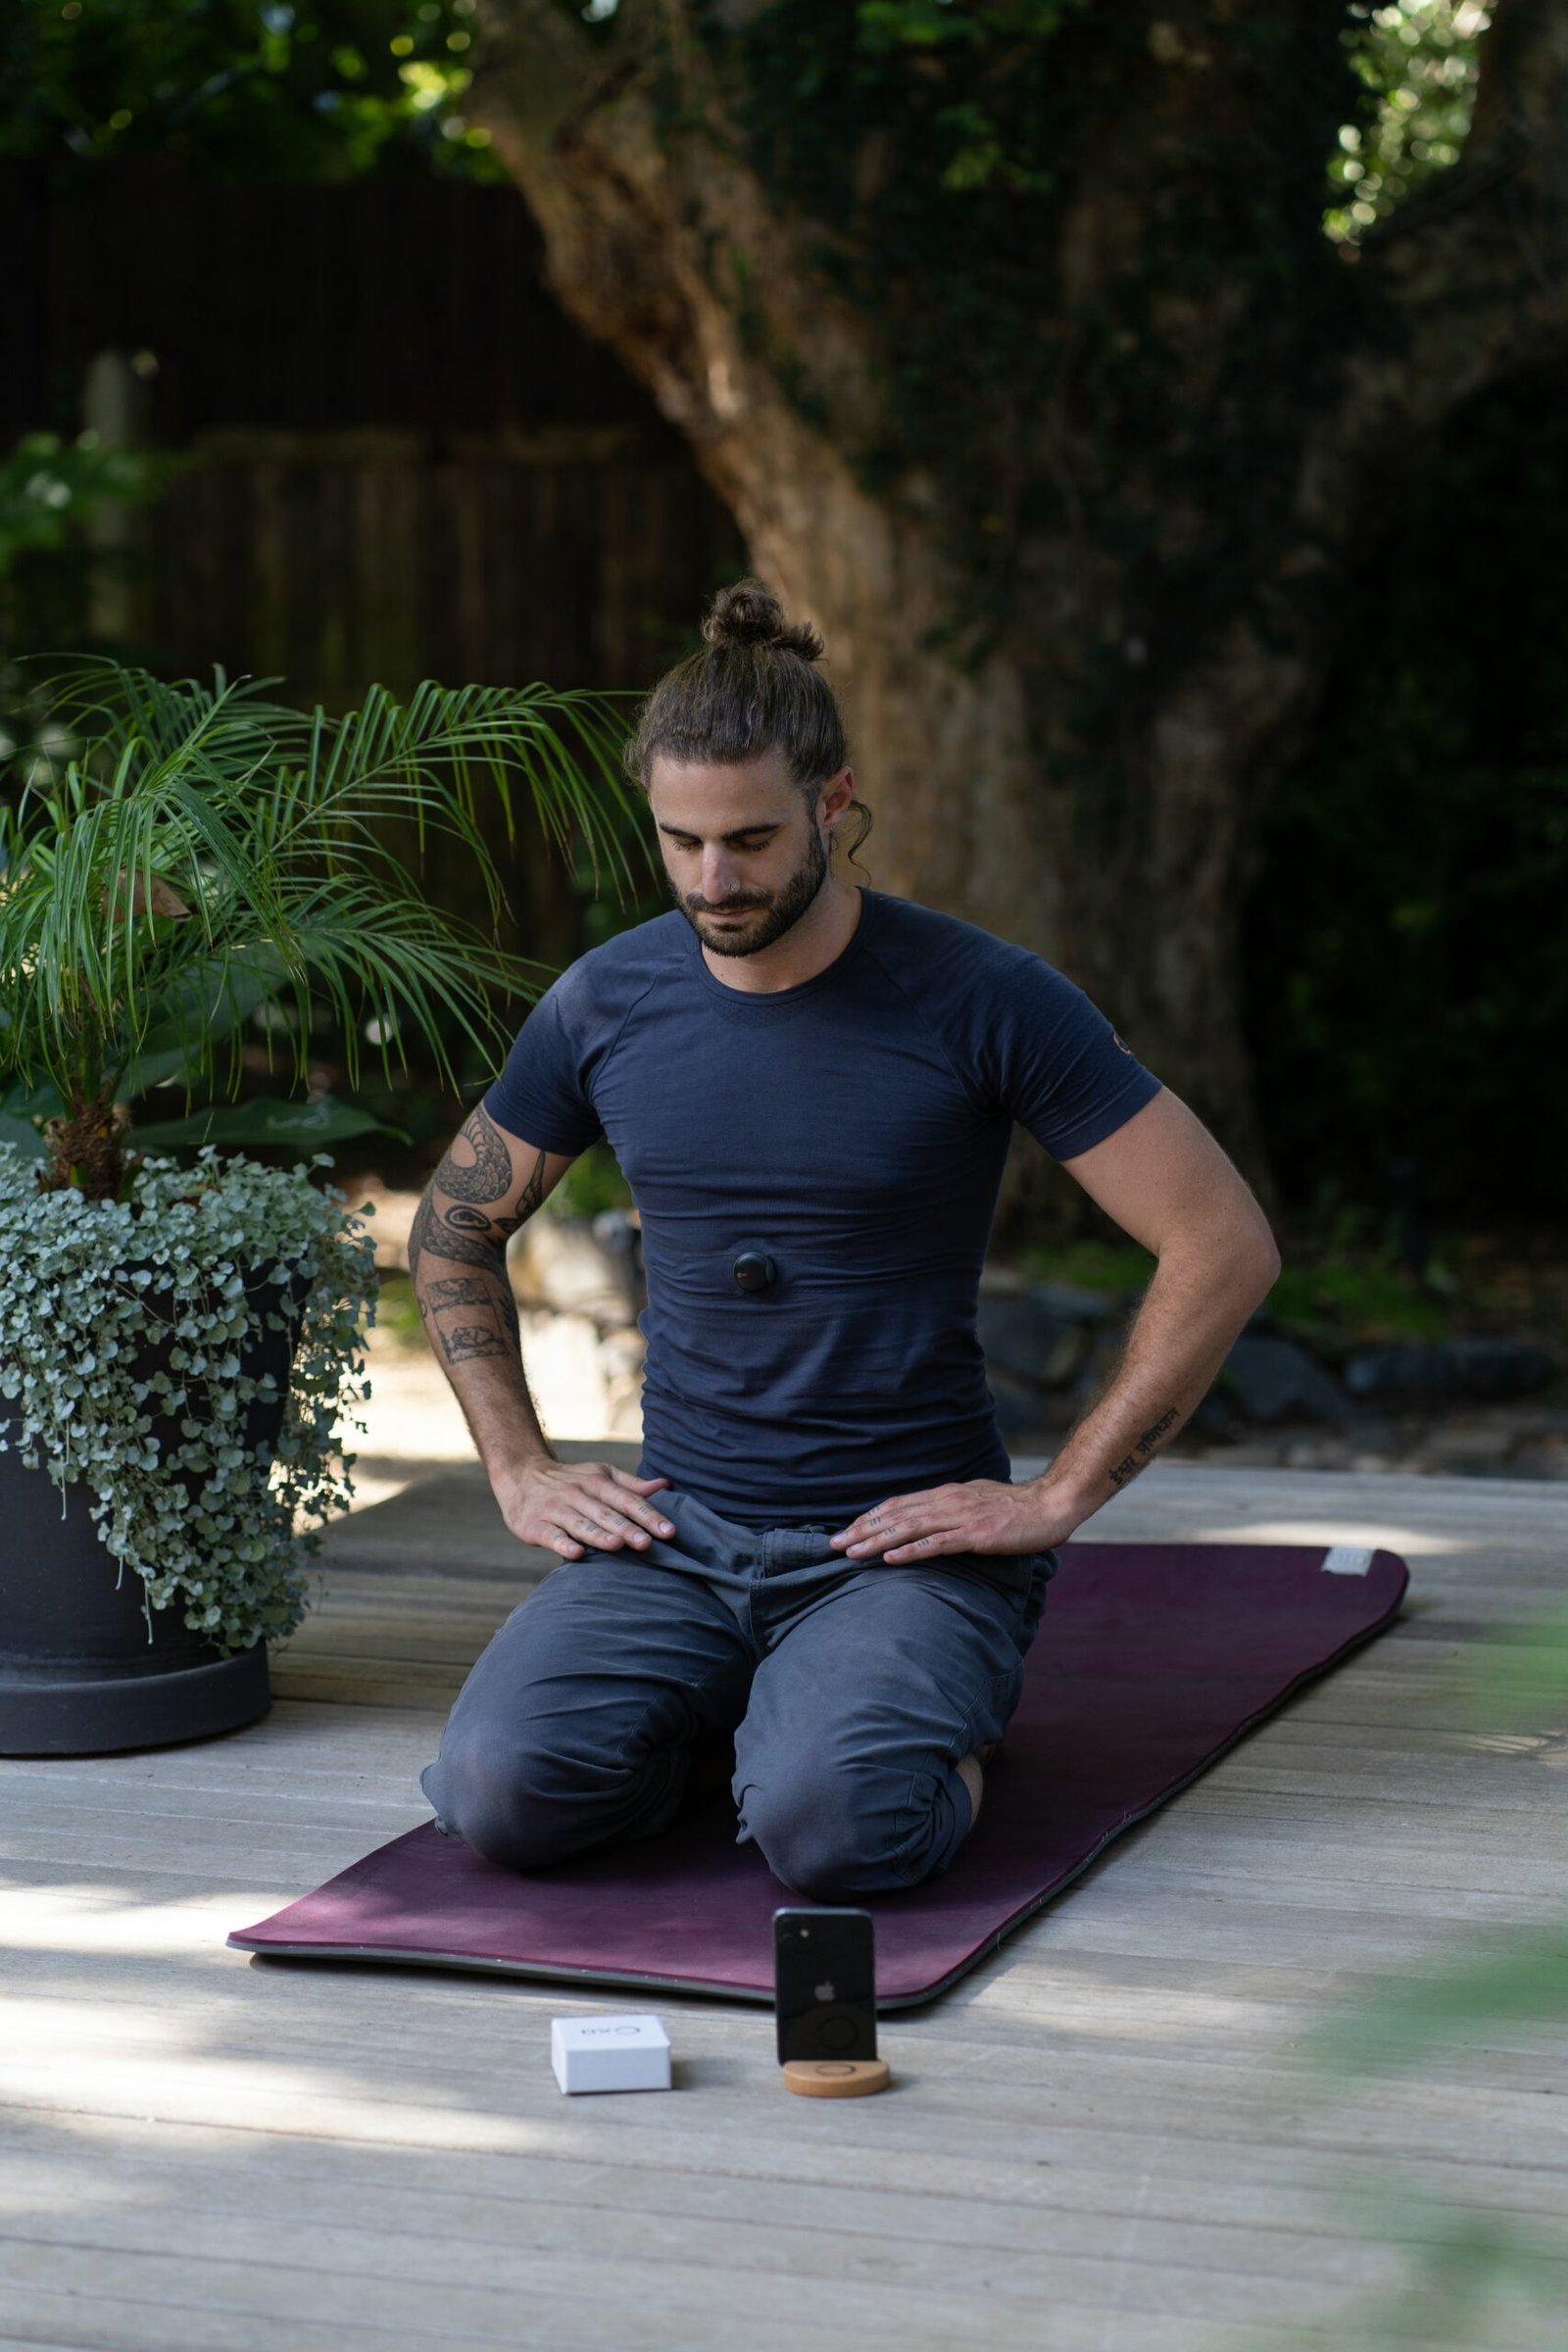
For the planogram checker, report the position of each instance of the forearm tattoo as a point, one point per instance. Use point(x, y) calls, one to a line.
point(473, 1339)
point(447, 1294)
point(471, 1228)
point(1143, 1453)
point(431, 1231)
point(455, 1289)
point(481, 1291)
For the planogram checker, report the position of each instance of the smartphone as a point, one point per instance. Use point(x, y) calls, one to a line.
point(824, 1983)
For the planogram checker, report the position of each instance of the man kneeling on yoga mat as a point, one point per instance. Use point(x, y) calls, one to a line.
point(811, 1089)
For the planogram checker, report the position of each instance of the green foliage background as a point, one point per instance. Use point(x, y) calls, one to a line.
point(936, 149)
point(1407, 977)
point(244, 89)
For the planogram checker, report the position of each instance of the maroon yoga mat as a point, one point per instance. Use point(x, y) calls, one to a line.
point(1152, 1660)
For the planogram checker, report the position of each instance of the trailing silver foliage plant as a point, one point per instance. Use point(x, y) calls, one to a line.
point(123, 1325)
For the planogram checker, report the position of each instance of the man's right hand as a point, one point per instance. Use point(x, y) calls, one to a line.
point(572, 1507)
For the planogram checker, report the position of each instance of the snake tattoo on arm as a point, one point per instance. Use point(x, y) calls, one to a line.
point(472, 1314)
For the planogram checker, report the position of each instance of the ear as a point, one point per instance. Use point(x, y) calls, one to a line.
point(835, 796)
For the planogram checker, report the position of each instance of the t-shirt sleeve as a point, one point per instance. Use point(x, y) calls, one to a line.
point(1060, 1066)
point(542, 1092)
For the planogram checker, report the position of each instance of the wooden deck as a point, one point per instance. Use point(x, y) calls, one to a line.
point(1102, 2140)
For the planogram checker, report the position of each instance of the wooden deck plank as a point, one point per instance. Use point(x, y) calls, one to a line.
point(854, 2279)
point(227, 2169)
point(1108, 2138)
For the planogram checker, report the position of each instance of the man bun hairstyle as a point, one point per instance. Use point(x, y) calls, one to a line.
point(751, 614)
point(753, 688)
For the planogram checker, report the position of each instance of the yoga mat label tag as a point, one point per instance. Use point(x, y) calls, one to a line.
point(1347, 1559)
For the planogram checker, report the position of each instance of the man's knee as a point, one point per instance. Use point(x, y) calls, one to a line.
point(503, 1800)
point(523, 1805)
point(836, 1834)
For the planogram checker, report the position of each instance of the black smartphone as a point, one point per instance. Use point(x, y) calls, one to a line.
point(824, 1983)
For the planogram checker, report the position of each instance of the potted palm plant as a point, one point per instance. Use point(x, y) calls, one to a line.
point(181, 1325)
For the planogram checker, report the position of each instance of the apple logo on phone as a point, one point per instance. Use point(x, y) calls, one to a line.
point(825, 1992)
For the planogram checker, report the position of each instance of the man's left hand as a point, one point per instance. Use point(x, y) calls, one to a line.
point(979, 1515)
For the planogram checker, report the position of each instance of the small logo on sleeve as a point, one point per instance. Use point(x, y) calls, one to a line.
point(1122, 1042)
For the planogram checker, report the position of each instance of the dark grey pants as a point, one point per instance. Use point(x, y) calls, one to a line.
point(852, 1689)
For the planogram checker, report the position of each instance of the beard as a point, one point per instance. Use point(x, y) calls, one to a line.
point(768, 913)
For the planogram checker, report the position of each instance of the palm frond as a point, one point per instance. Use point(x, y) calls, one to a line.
point(202, 844)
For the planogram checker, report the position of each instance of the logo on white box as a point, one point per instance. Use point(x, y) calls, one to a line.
point(628, 2052)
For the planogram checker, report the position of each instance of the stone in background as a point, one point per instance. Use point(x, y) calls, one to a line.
point(579, 1283)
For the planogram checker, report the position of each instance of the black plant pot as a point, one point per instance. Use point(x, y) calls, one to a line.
point(78, 1675)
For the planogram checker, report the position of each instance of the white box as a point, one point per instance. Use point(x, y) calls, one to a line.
point(609, 2053)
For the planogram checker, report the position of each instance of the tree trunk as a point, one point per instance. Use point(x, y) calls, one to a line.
point(1119, 845)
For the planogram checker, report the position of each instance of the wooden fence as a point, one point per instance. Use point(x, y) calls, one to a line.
point(406, 460)
point(578, 555)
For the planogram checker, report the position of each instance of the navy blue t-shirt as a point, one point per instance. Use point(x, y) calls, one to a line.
point(853, 1129)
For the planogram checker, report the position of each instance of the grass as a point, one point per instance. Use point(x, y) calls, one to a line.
point(1347, 1303)
point(397, 1312)
point(592, 1183)
point(1114, 1267)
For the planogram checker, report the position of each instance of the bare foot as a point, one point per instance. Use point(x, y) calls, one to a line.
point(969, 1773)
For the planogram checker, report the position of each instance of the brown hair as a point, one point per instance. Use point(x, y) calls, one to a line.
point(752, 690)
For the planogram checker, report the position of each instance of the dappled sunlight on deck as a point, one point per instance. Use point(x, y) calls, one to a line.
point(110, 1920)
point(1411, 1542)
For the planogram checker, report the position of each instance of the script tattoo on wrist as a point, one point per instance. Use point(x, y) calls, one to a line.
point(1143, 1453)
